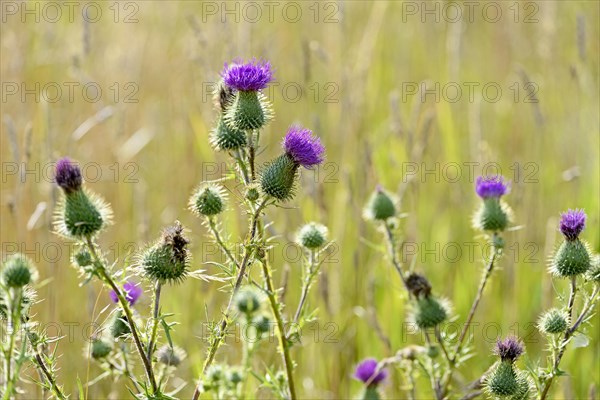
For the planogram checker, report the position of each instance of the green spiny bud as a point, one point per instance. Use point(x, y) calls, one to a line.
point(278, 178)
point(18, 271)
point(380, 206)
point(208, 200)
point(553, 321)
point(224, 137)
point(248, 300)
point(171, 356)
point(249, 110)
point(262, 323)
point(83, 215)
point(214, 376)
point(119, 327)
point(168, 260)
point(252, 194)
point(571, 259)
point(525, 387)
point(502, 381)
point(235, 376)
point(100, 349)
point(429, 312)
point(433, 351)
point(312, 235)
point(82, 258)
point(493, 215)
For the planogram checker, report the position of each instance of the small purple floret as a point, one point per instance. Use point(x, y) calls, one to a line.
point(303, 147)
point(572, 223)
point(509, 349)
point(251, 76)
point(133, 292)
point(366, 372)
point(68, 175)
point(491, 186)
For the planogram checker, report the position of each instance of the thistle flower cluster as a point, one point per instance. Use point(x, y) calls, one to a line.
point(505, 380)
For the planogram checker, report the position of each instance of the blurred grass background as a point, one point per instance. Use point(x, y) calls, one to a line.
point(356, 64)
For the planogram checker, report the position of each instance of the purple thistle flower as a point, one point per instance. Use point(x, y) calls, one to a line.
point(366, 372)
point(251, 76)
point(304, 148)
point(509, 349)
point(68, 175)
point(133, 292)
point(572, 223)
point(491, 186)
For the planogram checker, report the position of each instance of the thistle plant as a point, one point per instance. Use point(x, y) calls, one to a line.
point(243, 111)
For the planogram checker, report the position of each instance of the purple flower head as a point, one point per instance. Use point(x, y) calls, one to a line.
point(133, 292)
point(491, 186)
point(251, 76)
point(509, 349)
point(572, 223)
point(366, 372)
point(68, 175)
point(303, 147)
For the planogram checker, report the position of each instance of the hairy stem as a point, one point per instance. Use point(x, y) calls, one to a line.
point(283, 341)
point(14, 309)
point(215, 232)
point(453, 360)
point(125, 306)
point(248, 249)
point(308, 280)
point(392, 251)
point(155, 321)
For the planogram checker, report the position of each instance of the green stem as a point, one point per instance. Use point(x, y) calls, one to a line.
point(14, 307)
point(155, 321)
point(283, 342)
point(213, 228)
point(248, 249)
point(452, 361)
point(126, 368)
point(310, 274)
point(392, 250)
point(125, 306)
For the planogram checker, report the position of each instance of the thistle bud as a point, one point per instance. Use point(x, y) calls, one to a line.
point(433, 351)
point(429, 312)
point(248, 300)
point(252, 194)
point(525, 387)
point(262, 323)
point(168, 260)
point(18, 271)
point(208, 200)
point(312, 235)
point(224, 137)
point(118, 326)
point(502, 381)
point(80, 214)
point(100, 349)
point(214, 377)
point(380, 206)
point(82, 258)
point(301, 149)
point(171, 356)
point(249, 108)
point(278, 178)
point(235, 376)
point(573, 257)
point(494, 214)
point(553, 321)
